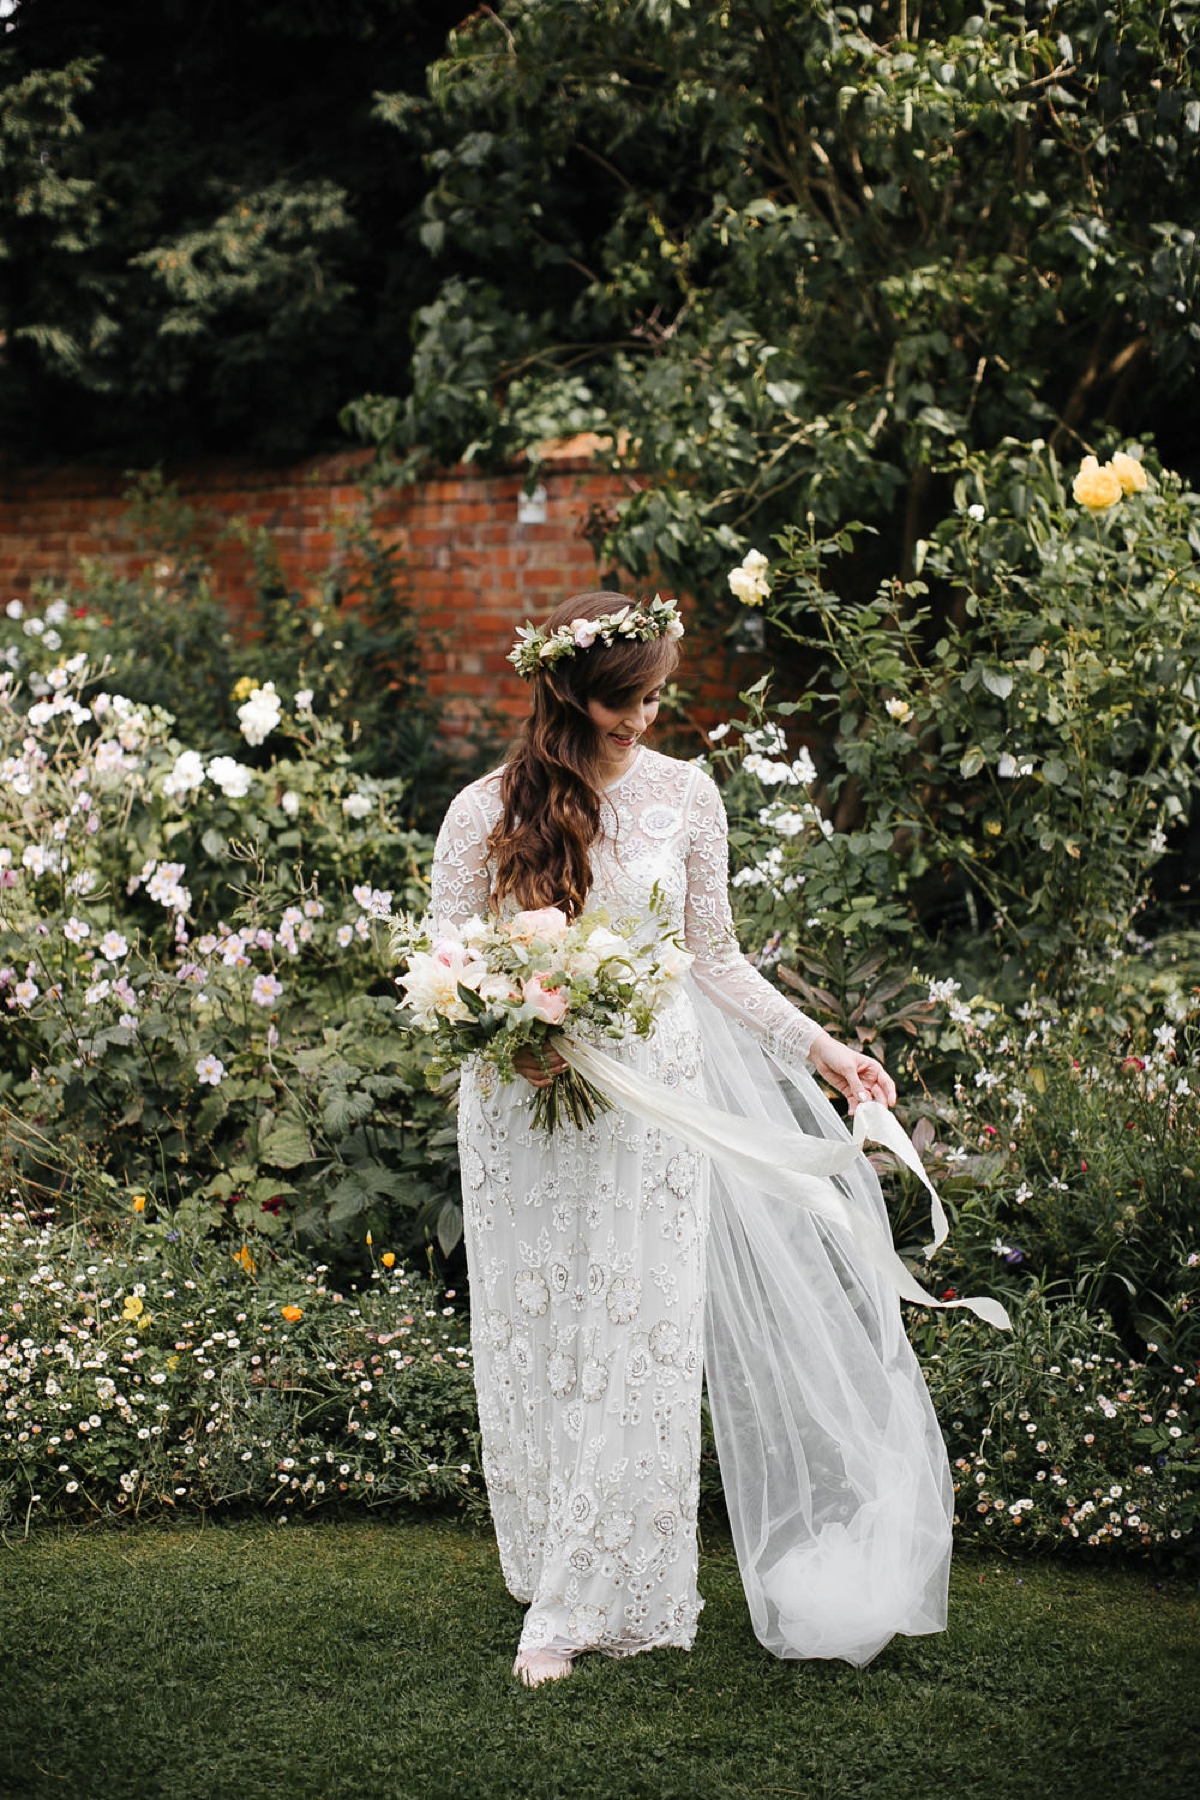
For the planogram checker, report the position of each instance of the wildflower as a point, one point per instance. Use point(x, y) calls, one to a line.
point(75, 930)
point(187, 775)
point(900, 710)
point(1095, 487)
point(356, 806)
point(133, 1308)
point(25, 992)
point(139, 1203)
point(748, 583)
point(388, 1259)
point(717, 733)
point(210, 1070)
point(266, 989)
point(290, 802)
point(247, 1262)
point(232, 777)
point(113, 946)
point(260, 714)
point(291, 1313)
point(304, 700)
point(976, 512)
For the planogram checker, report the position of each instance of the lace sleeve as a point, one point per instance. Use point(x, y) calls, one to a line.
point(461, 884)
point(720, 969)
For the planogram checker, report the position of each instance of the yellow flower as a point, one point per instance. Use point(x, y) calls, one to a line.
point(1095, 487)
point(243, 689)
point(172, 1362)
point(139, 1203)
point(143, 1321)
point(388, 1258)
point(370, 1239)
point(1129, 472)
point(244, 1257)
point(993, 827)
point(292, 1313)
point(133, 1306)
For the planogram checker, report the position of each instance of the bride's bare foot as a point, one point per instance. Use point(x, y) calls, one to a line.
point(535, 1666)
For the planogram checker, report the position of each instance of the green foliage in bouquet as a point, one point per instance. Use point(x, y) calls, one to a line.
point(197, 1006)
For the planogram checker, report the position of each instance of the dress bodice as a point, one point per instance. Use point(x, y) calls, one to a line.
point(664, 832)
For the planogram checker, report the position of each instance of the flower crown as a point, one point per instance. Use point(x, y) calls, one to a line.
point(640, 622)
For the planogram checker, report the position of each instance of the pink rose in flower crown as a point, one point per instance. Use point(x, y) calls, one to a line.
point(549, 1004)
point(584, 632)
point(546, 922)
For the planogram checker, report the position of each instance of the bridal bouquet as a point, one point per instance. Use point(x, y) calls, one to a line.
point(491, 987)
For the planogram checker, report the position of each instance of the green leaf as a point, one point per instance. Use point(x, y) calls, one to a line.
point(285, 1145)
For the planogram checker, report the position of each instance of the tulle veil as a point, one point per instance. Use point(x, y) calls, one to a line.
point(832, 1461)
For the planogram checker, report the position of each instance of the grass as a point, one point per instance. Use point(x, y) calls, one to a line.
point(371, 1660)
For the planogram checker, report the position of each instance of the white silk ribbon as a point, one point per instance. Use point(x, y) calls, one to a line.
point(786, 1162)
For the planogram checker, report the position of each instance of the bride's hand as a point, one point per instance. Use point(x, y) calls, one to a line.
point(856, 1076)
point(530, 1065)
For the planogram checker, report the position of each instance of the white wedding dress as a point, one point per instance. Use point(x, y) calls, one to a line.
point(610, 1268)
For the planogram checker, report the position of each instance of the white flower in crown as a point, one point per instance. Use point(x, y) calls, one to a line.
point(640, 622)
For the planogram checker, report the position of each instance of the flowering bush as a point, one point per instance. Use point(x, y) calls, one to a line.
point(1014, 730)
point(1072, 1146)
point(197, 1007)
point(1057, 1438)
point(153, 1369)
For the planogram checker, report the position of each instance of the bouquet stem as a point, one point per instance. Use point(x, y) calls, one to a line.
point(569, 1096)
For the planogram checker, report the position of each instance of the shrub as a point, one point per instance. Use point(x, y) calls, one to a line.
point(198, 1009)
point(1058, 1440)
point(150, 1368)
point(1014, 732)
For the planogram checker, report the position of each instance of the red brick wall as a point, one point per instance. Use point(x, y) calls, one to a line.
point(476, 571)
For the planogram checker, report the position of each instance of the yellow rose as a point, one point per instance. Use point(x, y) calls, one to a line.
point(1095, 487)
point(1129, 472)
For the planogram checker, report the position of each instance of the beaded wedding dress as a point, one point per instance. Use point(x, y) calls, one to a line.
point(611, 1268)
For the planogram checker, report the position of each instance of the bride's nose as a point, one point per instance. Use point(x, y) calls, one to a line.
point(637, 718)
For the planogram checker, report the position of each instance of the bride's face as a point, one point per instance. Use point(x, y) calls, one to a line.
point(621, 726)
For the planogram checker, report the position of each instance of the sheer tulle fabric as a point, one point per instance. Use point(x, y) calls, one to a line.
point(832, 1461)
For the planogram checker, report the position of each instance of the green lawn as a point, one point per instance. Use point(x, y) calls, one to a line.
point(371, 1661)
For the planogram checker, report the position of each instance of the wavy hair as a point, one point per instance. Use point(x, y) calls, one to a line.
point(549, 787)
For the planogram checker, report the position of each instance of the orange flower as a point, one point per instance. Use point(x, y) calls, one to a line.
point(244, 1257)
point(292, 1313)
point(139, 1203)
point(388, 1258)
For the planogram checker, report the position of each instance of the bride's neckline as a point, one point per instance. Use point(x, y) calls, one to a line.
point(611, 787)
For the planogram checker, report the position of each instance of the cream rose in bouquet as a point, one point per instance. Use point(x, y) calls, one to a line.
point(492, 987)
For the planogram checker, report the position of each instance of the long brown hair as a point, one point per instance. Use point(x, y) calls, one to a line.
point(549, 785)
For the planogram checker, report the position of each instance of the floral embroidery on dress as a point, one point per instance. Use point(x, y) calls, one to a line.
point(586, 1252)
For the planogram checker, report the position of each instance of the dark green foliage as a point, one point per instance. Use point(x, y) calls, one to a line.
point(203, 231)
point(782, 253)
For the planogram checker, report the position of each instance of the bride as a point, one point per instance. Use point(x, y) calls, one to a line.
point(613, 1267)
